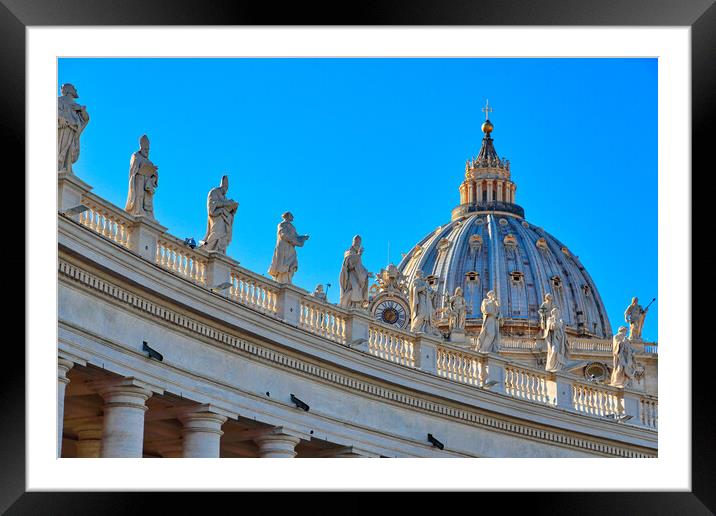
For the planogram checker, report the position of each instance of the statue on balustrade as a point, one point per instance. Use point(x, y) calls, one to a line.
point(71, 121)
point(421, 299)
point(319, 293)
point(285, 262)
point(634, 316)
point(458, 311)
point(143, 181)
point(556, 340)
point(353, 279)
point(624, 368)
point(489, 339)
point(545, 311)
point(220, 222)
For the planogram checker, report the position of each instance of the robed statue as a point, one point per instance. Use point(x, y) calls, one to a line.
point(556, 340)
point(353, 279)
point(489, 339)
point(634, 315)
point(624, 368)
point(220, 221)
point(545, 310)
point(285, 262)
point(421, 299)
point(458, 311)
point(143, 181)
point(71, 121)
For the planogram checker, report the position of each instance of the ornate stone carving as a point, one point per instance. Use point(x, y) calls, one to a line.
point(71, 121)
point(220, 222)
point(143, 181)
point(489, 339)
point(285, 262)
point(634, 315)
point(353, 279)
point(422, 305)
point(390, 280)
point(545, 309)
point(556, 340)
point(624, 367)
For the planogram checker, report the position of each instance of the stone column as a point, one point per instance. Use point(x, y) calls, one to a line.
point(63, 367)
point(490, 190)
point(202, 433)
point(277, 442)
point(479, 191)
point(500, 185)
point(471, 192)
point(124, 407)
point(89, 439)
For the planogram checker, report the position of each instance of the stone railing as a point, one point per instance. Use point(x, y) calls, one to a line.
point(461, 366)
point(106, 219)
point(174, 255)
point(528, 384)
point(253, 290)
point(391, 344)
point(356, 328)
point(323, 319)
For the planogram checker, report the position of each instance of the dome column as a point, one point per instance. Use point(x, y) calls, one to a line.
point(471, 192)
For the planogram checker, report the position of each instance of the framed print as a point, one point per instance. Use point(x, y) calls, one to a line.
point(438, 233)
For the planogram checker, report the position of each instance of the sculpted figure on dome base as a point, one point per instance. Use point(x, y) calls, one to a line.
point(353, 279)
point(556, 340)
point(285, 262)
point(143, 181)
point(634, 316)
point(489, 339)
point(458, 311)
point(71, 121)
point(624, 368)
point(421, 299)
point(220, 222)
point(545, 310)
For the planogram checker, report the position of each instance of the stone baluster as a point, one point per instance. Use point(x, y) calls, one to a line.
point(63, 367)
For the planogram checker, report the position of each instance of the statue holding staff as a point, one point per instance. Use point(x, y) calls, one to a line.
point(71, 121)
point(220, 221)
point(285, 261)
point(143, 181)
point(634, 316)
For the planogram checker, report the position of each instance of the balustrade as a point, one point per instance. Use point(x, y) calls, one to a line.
point(649, 412)
point(175, 256)
point(253, 291)
point(461, 366)
point(106, 220)
point(322, 319)
point(391, 345)
point(528, 384)
point(597, 401)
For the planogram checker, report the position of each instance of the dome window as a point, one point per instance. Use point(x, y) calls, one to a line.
point(475, 242)
point(479, 220)
point(432, 280)
point(472, 277)
point(525, 224)
point(503, 222)
point(510, 241)
point(541, 243)
point(565, 251)
point(587, 291)
point(517, 277)
point(556, 281)
point(444, 245)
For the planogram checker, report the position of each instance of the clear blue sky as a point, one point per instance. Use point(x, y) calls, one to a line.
point(377, 147)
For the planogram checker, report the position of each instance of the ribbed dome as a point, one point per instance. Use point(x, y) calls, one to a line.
point(490, 246)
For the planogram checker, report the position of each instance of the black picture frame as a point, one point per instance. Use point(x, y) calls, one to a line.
point(700, 15)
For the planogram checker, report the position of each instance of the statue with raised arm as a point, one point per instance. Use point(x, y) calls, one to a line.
point(556, 340)
point(143, 181)
point(285, 262)
point(634, 316)
point(624, 368)
point(458, 311)
point(545, 310)
point(489, 339)
point(220, 221)
point(319, 293)
point(353, 279)
point(71, 121)
point(420, 299)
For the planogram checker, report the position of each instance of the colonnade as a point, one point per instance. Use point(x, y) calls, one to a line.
point(119, 432)
point(487, 190)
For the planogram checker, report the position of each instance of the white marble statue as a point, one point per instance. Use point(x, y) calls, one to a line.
point(458, 311)
point(285, 262)
point(545, 310)
point(421, 300)
point(489, 339)
point(354, 276)
point(556, 340)
point(143, 181)
point(319, 293)
point(220, 221)
point(71, 121)
point(634, 315)
point(624, 367)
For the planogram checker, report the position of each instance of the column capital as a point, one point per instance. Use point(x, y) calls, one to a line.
point(277, 442)
point(128, 392)
point(63, 367)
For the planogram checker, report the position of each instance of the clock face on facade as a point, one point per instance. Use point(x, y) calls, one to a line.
point(391, 312)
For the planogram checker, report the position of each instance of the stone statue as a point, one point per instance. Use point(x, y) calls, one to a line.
point(318, 293)
point(143, 181)
point(624, 368)
point(545, 310)
point(634, 316)
point(285, 263)
point(220, 222)
point(354, 277)
point(458, 311)
point(420, 299)
point(71, 121)
point(489, 338)
point(556, 340)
